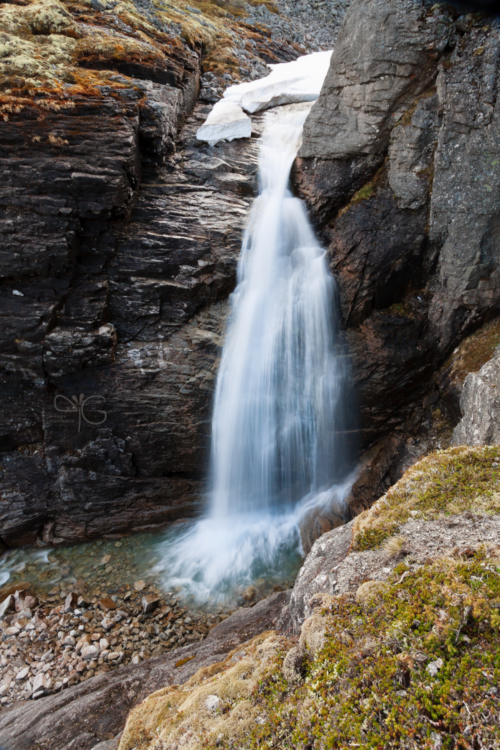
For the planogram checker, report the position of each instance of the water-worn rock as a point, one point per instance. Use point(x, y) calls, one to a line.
point(126, 244)
point(96, 710)
point(100, 468)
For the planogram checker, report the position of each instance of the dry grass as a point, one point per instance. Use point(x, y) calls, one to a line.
point(178, 717)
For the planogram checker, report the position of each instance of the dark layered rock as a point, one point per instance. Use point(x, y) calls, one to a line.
point(399, 168)
point(113, 350)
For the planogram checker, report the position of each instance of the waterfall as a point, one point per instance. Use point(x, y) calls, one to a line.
point(279, 423)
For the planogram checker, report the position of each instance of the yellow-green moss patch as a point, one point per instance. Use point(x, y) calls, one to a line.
point(419, 668)
point(473, 352)
point(444, 483)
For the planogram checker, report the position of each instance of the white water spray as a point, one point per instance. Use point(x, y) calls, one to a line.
point(277, 440)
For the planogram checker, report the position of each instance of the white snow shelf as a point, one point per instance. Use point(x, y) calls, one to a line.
point(225, 122)
point(288, 83)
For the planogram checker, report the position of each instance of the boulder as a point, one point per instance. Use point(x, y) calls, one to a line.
point(480, 405)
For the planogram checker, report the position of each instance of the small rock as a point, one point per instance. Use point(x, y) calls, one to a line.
point(212, 703)
point(103, 644)
point(22, 674)
point(69, 641)
point(8, 605)
point(139, 585)
point(107, 604)
point(84, 640)
point(149, 603)
point(41, 683)
point(30, 602)
point(434, 666)
point(107, 624)
point(105, 560)
point(250, 593)
point(90, 652)
point(71, 601)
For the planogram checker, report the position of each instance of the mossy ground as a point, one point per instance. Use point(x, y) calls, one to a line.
point(418, 667)
point(445, 483)
point(46, 45)
point(412, 662)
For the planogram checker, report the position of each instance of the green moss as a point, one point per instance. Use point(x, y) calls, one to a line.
point(445, 483)
point(373, 687)
point(366, 192)
point(473, 352)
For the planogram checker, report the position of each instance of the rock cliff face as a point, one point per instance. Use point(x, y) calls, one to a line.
point(119, 240)
point(120, 236)
point(399, 166)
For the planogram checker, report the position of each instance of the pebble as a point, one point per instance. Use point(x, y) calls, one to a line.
point(212, 703)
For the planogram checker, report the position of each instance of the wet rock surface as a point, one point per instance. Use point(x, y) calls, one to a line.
point(389, 173)
point(113, 294)
point(142, 435)
point(94, 711)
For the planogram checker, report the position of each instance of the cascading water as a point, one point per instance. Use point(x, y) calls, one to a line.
point(279, 422)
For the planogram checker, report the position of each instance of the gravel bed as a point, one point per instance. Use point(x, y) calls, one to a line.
point(65, 637)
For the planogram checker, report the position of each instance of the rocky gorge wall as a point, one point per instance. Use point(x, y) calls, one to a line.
point(119, 240)
point(399, 167)
point(120, 236)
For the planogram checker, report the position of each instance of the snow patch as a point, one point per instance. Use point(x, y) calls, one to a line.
point(225, 122)
point(288, 83)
